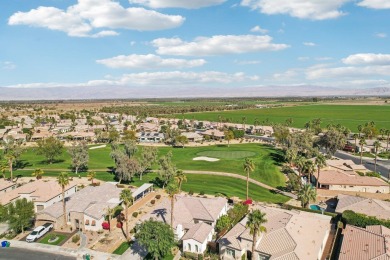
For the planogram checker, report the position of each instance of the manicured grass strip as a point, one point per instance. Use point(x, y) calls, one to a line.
point(347, 115)
point(227, 154)
point(45, 239)
point(122, 248)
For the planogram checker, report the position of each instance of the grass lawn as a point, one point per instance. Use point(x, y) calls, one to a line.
point(266, 160)
point(45, 239)
point(122, 248)
point(347, 115)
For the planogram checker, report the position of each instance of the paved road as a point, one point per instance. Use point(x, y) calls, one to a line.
point(21, 254)
point(383, 166)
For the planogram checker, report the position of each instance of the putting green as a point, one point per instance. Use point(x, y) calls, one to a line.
point(227, 154)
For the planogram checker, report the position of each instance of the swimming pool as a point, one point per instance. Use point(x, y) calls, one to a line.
point(315, 207)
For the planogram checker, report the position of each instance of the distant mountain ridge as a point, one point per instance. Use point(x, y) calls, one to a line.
point(120, 92)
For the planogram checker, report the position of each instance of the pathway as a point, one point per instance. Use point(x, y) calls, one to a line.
point(237, 176)
point(84, 241)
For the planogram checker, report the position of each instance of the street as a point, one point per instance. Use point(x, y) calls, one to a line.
point(11, 253)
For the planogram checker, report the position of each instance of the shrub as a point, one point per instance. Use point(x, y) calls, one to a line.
point(135, 214)
point(373, 174)
point(360, 220)
point(191, 192)
point(190, 255)
point(76, 238)
point(158, 196)
point(201, 193)
point(152, 202)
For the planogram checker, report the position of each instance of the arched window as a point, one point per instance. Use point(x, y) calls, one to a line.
point(196, 248)
point(189, 247)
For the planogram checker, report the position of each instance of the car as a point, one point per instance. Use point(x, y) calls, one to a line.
point(39, 232)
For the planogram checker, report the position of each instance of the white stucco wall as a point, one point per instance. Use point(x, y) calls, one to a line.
point(98, 225)
point(370, 189)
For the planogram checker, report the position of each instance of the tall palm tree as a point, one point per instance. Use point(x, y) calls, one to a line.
point(306, 194)
point(63, 181)
point(243, 120)
point(10, 159)
point(172, 190)
point(377, 145)
point(291, 155)
point(355, 137)
point(127, 197)
point(255, 222)
point(37, 173)
point(249, 166)
point(180, 177)
point(256, 123)
point(320, 162)
point(91, 175)
point(360, 129)
point(309, 168)
point(109, 213)
point(300, 163)
point(362, 142)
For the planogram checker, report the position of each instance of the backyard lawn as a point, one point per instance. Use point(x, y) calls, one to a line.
point(122, 248)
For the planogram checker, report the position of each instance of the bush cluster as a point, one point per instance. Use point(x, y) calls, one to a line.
point(360, 220)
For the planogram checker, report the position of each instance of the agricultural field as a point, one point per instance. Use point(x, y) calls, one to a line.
point(231, 160)
point(347, 115)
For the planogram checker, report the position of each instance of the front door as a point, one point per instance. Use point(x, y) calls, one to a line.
point(248, 255)
point(77, 224)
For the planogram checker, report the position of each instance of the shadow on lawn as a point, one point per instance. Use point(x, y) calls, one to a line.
point(21, 164)
point(278, 158)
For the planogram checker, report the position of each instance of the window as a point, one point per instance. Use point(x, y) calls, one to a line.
point(196, 248)
point(93, 223)
point(230, 252)
point(263, 257)
point(189, 247)
point(87, 222)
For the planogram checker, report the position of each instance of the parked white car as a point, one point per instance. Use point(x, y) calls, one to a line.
point(39, 232)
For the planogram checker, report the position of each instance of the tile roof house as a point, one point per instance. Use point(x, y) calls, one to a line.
point(194, 219)
point(6, 186)
point(345, 165)
point(369, 207)
point(43, 193)
point(370, 243)
point(86, 209)
point(290, 234)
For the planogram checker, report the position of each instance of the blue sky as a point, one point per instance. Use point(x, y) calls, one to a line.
point(213, 43)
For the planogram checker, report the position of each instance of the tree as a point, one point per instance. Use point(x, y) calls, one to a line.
point(113, 135)
point(50, 148)
point(167, 169)
point(249, 166)
point(180, 177)
point(181, 139)
point(377, 145)
point(294, 182)
point(91, 176)
point(130, 148)
point(127, 198)
point(3, 213)
point(332, 141)
point(223, 223)
point(12, 150)
point(300, 163)
point(109, 213)
point(3, 168)
point(309, 168)
point(19, 214)
point(172, 189)
point(355, 137)
point(320, 162)
point(243, 121)
point(126, 168)
point(129, 135)
point(157, 237)
point(63, 181)
point(306, 194)
point(362, 142)
point(37, 173)
point(148, 158)
point(255, 222)
point(79, 156)
point(291, 155)
point(360, 129)
point(229, 135)
point(281, 134)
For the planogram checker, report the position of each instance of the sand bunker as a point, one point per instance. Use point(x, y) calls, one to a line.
point(205, 158)
point(97, 147)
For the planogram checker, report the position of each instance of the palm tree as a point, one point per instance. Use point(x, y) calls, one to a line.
point(291, 155)
point(382, 131)
point(249, 166)
point(180, 177)
point(10, 158)
point(356, 137)
point(360, 129)
point(306, 194)
point(127, 197)
point(243, 120)
point(91, 175)
point(255, 222)
point(320, 162)
point(109, 213)
point(309, 168)
point(256, 123)
point(37, 173)
point(387, 139)
point(362, 142)
point(63, 181)
point(300, 163)
point(172, 190)
point(3, 168)
point(377, 145)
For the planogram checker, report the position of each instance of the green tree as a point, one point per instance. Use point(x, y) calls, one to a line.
point(249, 166)
point(300, 164)
point(309, 168)
point(229, 135)
point(290, 155)
point(37, 173)
point(148, 158)
point(167, 169)
point(127, 197)
point(377, 146)
point(12, 150)
point(157, 237)
point(20, 214)
point(3, 168)
point(172, 189)
point(306, 194)
point(320, 161)
point(223, 223)
point(355, 137)
point(180, 139)
point(362, 142)
point(255, 223)
point(126, 168)
point(113, 135)
point(91, 176)
point(79, 156)
point(294, 181)
point(332, 140)
point(130, 148)
point(3, 213)
point(129, 135)
point(180, 177)
point(50, 148)
point(63, 181)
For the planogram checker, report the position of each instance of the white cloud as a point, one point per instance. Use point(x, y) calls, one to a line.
point(304, 9)
point(303, 58)
point(149, 61)
point(188, 4)
point(7, 65)
point(367, 59)
point(287, 75)
point(310, 44)
point(375, 4)
point(87, 16)
point(216, 45)
point(247, 62)
point(259, 29)
point(347, 72)
point(381, 35)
